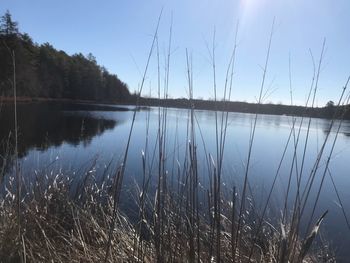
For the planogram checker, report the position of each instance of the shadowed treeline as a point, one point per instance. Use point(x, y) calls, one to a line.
point(329, 111)
point(43, 71)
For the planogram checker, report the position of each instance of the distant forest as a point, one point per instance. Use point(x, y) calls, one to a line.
point(330, 111)
point(42, 71)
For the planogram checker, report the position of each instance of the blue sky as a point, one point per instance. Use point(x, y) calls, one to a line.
point(119, 34)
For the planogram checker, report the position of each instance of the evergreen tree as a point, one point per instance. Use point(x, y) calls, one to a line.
point(43, 71)
point(7, 26)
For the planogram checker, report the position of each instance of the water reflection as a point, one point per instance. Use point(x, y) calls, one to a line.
point(326, 126)
point(79, 133)
point(43, 125)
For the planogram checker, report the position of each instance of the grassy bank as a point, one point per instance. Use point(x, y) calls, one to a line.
point(61, 223)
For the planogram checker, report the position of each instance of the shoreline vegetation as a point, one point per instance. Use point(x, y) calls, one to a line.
point(46, 74)
point(61, 217)
point(63, 223)
point(330, 111)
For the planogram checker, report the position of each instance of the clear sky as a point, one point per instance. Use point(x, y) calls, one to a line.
point(119, 34)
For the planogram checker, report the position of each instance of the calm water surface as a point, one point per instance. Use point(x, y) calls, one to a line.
point(72, 138)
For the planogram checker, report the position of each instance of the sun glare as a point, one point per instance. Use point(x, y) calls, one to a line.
point(250, 7)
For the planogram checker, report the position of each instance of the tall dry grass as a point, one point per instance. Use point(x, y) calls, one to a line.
point(79, 220)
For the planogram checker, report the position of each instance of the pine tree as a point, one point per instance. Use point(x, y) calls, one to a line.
point(7, 26)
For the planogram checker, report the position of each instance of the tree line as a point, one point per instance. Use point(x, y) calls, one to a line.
point(43, 71)
point(330, 111)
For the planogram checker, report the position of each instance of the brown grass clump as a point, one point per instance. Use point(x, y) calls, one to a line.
point(57, 228)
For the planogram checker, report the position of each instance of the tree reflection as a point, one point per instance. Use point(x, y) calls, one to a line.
point(41, 126)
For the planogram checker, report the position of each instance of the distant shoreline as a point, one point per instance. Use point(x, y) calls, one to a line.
point(341, 112)
point(7, 100)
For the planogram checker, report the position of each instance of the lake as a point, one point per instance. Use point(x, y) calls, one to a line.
point(76, 138)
